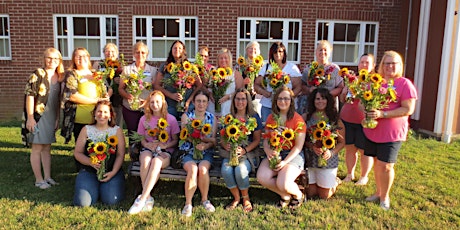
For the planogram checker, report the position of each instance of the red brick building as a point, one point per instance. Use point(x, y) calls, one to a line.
point(353, 27)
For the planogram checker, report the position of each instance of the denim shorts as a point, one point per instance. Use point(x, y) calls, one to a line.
point(298, 161)
point(154, 153)
point(386, 152)
point(208, 156)
point(354, 134)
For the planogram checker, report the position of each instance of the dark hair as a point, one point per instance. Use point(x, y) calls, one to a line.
point(170, 56)
point(276, 110)
point(274, 48)
point(249, 107)
point(113, 116)
point(201, 92)
point(331, 110)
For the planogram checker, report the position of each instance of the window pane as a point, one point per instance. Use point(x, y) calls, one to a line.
point(242, 50)
point(264, 49)
point(172, 28)
point(114, 41)
point(245, 29)
point(370, 33)
point(190, 48)
point(4, 48)
point(4, 27)
point(92, 45)
point(323, 31)
point(159, 49)
point(276, 30)
point(292, 51)
point(61, 26)
point(190, 28)
point(261, 29)
point(62, 46)
point(369, 49)
point(340, 30)
point(353, 32)
point(345, 53)
point(93, 27)
point(111, 27)
point(141, 27)
point(158, 28)
point(79, 26)
point(293, 31)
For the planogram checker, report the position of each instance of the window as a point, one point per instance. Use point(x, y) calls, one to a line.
point(90, 32)
point(160, 32)
point(269, 30)
point(349, 39)
point(5, 46)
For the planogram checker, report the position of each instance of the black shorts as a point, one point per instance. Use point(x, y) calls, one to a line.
point(386, 152)
point(354, 134)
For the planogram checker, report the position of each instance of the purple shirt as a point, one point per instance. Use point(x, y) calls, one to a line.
point(172, 128)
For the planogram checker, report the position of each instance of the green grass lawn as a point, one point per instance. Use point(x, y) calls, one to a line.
point(425, 196)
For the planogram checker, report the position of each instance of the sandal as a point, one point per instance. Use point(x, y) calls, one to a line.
point(283, 203)
point(232, 205)
point(247, 206)
point(296, 203)
point(42, 185)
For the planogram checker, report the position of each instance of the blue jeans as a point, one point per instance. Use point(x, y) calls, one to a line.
point(236, 175)
point(88, 189)
point(265, 111)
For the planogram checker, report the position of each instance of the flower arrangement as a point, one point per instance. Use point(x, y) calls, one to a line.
point(193, 132)
point(183, 77)
point(318, 75)
point(236, 133)
point(280, 138)
point(108, 69)
point(219, 84)
point(372, 91)
point(100, 152)
point(250, 69)
point(134, 86)
point(323, 135)
point(203, 72)
point(275, 77)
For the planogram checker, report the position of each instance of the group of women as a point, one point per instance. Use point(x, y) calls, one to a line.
point(90, 116)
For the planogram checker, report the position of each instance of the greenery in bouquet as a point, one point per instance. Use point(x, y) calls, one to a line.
point(323, 135)
point(108, 70)
point(183, 77)
point(157, 133)
point(279, 138)
point(204, 73)
point(193, 132)
point(135, 85)
point(236, 133)
point(275, 77)
point(219, 84)
point(318, 75)
point(100, 152)
point(250, 69)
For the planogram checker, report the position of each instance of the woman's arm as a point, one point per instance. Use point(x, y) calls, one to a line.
point(30, 125)
point(120, 157)
point(337, 90)
point(259, 89)
point(296, 85)
point(256, 136)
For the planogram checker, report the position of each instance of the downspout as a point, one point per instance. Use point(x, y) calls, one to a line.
point(409, 17)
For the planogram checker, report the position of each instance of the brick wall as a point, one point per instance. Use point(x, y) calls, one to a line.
point(31, 28)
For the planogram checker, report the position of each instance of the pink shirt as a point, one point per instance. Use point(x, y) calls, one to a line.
point(172, 128)
point(351, 113)
point(394, 129)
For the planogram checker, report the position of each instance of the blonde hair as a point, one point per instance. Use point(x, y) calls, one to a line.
point(111, 45)
point(164, 105)
point(60, 67)
point(225, 51)
point(140, 45)
point(255, 44)
point(397, 58)
point(324, 43)
point(72, 65)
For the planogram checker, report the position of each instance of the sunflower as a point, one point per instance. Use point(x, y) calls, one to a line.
point(286, 79)
point(288, 134)
point(274, 141)
point(367, 95)
point(321, 124)
point(162, 123)
point(100, 148)
point(214, 72)
point(376, 78)
point(94, 160)
point(329, 142)
point(206, 129)
point(273, 82)
point(170, 67)
point(317, 134)
point(259, 60)
point(319, 72)
point(191, 80)
point(229, 71)
point(112, 73)
point(314, 64)
point(343, 72)
point(153, 132)
point(362, 77)
point(272, 126)
point(241, 61)
point(183, 134)
point(200, 70)
point(222, 72)
point(228, 119)
point(376, 85)
point(363, 72)
point(163, 137)
point(232, 130)
point(133, 76)
point(392, 94)
point(112, 140)
point(196, 123)
point(187, 66)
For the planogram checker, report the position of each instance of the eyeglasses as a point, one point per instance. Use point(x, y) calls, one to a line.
point(201, 101)
point(81, 56)
point(53, 59)
point(240, 99)
point(390, 63)
point(284, 99)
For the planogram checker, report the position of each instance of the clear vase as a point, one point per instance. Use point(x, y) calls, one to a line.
point(180, 106)
point(233, 161)
point(274, 161)
point(369, 123)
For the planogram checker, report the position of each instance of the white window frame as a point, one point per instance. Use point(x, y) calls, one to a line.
point(285, 36)
point(362, 38)
point(149, 38)
point(7, 37)
point(70, 36)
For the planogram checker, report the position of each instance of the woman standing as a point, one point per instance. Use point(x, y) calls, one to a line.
point(224, 60)
point(198, 170)
point(281, 179)
point(41, 115)
point(88, 188)
point(384, 141)
point(323, 180)
point(156, 151)
point(351, 116)
point(237, 178)
point(132, 116)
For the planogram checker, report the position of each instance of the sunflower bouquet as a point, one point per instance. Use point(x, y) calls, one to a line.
point(250, 69)
point(203, 72)
point(219, 83)
point(280, 138)
point(349, 79)
point(183, 77)
point(275, 77)
point(372, 91)
point(108, 70)
point(323, 135)
point(134, 86)
point(193, 132)
point(236, 133)
point(318, 74)
point(100, 152)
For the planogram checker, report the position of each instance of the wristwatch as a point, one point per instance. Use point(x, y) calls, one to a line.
point(385, 114)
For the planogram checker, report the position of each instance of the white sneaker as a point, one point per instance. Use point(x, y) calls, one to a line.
point(148, 204)
point(137, 206)
point(208, 206)
point(362, 181)
point(187, 210)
